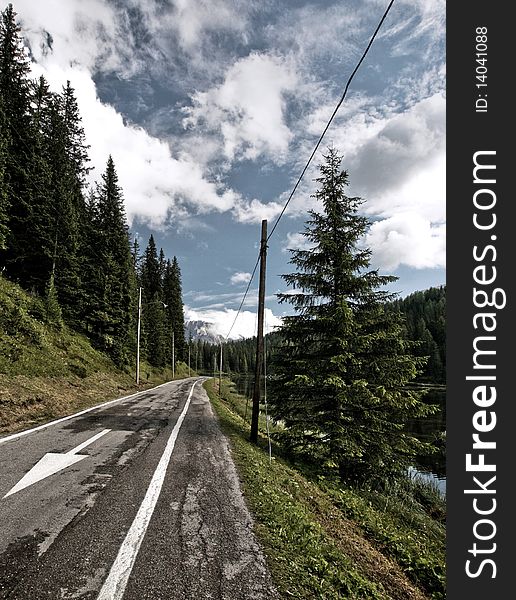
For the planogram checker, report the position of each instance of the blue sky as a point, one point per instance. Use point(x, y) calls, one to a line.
point(211, 108)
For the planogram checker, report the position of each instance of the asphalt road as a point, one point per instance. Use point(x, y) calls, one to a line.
point(137, 499)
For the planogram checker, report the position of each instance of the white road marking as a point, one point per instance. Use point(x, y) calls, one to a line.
point(116, 581)
point(53, 462)
point(15, 436)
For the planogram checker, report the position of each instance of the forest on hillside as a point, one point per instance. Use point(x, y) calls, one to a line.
point(424, 318)
point(65, 240)
point(425, 322)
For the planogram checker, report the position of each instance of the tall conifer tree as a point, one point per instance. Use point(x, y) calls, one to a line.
point(172, 296)
point(342, 371)
point(14, 94)
point(4, 198)
point(111, 317)
point(153, 310)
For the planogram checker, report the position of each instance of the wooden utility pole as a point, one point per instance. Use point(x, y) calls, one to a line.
point(220, 372)
point(259, 337)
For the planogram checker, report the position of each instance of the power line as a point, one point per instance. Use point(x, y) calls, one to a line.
point(244, 296)
point(350, 79)
point(332, 117)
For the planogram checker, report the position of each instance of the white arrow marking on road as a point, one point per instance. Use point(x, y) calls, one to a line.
point(53, 462)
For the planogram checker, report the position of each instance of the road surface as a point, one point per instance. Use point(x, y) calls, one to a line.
point(136, 499)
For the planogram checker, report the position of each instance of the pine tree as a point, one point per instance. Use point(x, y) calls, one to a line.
point(40, 225)
point(17, 140)
point(4, 198)
point(110, 317)
point(341, 373)
point(68, 158)
point(172, 294)
point(153, 316)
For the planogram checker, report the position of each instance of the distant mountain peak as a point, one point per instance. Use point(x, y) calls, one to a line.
point(202, 331)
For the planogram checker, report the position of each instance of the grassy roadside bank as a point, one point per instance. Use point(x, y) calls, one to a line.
point(325, 541)
point(47, 372)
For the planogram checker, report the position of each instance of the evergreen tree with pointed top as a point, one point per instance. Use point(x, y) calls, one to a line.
point(174, 298)
point(341, 374)
point(17, 140)
point(4, 198)
point(153, 310)
point(68, 161)
point(112, 296)
point(40, 225)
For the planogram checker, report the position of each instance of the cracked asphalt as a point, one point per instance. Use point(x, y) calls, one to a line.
point(59, 537)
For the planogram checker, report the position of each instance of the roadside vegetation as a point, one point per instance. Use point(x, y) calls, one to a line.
point(47, 372)
point(326, 539)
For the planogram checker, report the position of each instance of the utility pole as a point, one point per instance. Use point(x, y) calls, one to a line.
point(220, 371)
point(138, 337)
point(189, 358)
point(173, 356)
point(259, 337)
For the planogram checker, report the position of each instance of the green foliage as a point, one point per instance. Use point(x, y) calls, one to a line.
point(401, 527)
point(16, 141)
point(153, 309)
point(73, 251)
point(4, 200)
point(54, 315)
point(425, 323)
point(109, 285)
point(340, 376)
point(172, 296)
point(30, 342)
point(162, 306)
point(323, 538)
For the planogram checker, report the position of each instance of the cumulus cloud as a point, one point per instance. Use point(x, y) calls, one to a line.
point(154, 182)
point(248, 108)
point(259, 103)
point(222, 320)
point(239, 277)
point(87, 34)
point(394, 149)
point(396, 163)
point(296, 241)
point(254, 211)
point(409, 239)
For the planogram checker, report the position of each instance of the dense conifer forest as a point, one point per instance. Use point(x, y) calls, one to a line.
point(65, 240)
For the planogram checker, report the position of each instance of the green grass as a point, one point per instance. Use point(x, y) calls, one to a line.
point(323, 541)
point(312, 527)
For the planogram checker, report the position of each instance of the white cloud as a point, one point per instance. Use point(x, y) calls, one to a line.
point(396, 163)
point(296, 241)
point(193, 20)
point(222, 320)
point(85, 33)
point(254, 211)
point(394, 149)
point(409, 239)
point(153, 181)
point(248, 108)
point(240, 277)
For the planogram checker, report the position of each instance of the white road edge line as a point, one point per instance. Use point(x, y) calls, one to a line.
point(15, 436)
point(116, 582)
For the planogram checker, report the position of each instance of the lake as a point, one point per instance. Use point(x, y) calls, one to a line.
point(431, 429)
